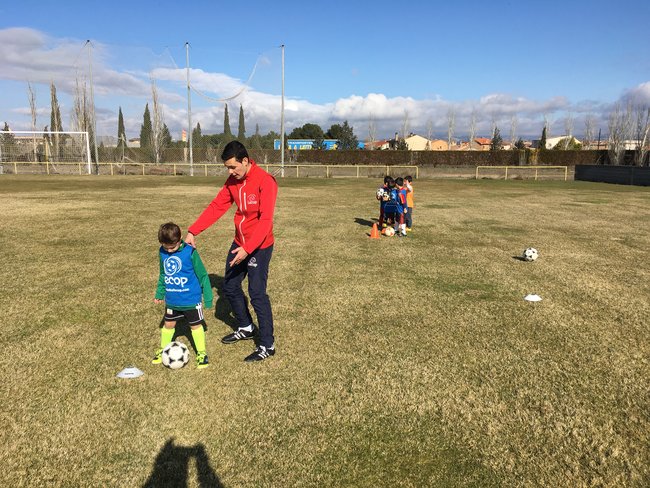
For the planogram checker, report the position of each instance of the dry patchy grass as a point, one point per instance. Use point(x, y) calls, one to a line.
point(401, 362)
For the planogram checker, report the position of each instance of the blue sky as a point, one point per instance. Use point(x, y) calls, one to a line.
point(392, 64)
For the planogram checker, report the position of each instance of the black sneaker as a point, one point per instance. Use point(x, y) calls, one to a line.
point(260, 354)
point(239, 335)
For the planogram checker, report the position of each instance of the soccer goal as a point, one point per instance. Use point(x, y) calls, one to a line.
point(523, 172)
point(39, 151)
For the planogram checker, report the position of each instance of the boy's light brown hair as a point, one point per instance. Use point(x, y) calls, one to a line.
point(169, 234)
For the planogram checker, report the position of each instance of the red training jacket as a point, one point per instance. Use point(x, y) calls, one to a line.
point(255, 199)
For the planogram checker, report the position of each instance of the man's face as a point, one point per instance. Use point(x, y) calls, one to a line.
point(237, 169)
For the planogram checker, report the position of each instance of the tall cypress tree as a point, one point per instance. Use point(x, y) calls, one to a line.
point(226, 125)
point(197, 137)
point(256, 140)
point(55, 120)
point(55, 114)
point(121, 131)
point(497, 141)
point(145, 129)
point(241, 132)
point(542, 141)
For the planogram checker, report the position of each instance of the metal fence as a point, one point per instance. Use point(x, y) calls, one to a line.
point(295, 170)
point(207, 169)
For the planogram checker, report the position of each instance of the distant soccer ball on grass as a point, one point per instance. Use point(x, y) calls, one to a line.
point(175, 355)
point(530, 254)
point(389, 231)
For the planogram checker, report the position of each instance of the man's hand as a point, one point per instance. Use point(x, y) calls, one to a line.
point(240, 255)
point(189, 239)
point(158, 301)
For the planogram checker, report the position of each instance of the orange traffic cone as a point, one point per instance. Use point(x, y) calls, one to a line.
point(374, 233)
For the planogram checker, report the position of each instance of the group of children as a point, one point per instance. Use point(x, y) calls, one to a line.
point(396, 204)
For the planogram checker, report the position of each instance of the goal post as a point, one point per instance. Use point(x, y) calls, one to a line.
point(45, 147)
point(523, 172)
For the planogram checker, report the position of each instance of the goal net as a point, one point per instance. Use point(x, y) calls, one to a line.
point(31, 150)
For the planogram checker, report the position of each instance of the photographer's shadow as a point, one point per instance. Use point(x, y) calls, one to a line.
point(171, 467)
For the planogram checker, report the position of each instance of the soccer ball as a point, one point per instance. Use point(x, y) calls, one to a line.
point(389, 231)
point(530, 254)
point(175, 355)
point(380, 193)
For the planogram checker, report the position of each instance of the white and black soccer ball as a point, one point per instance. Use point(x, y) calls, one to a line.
point(175, 355)
point(380, 193)
point(530, 254)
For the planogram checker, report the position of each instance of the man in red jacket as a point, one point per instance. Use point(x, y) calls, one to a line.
point(254, 191)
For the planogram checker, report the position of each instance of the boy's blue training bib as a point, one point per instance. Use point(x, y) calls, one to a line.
point(182, 287)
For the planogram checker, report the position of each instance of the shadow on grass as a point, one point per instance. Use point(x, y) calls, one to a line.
point(171, 467)
point(519, 258)
point(222, 310)
point(364, 222)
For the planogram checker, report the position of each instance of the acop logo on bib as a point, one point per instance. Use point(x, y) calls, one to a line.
point(172, 265)
point(251, 199)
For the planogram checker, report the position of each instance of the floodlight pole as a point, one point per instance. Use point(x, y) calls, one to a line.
point(92, 98)
point(282, 120)
point(189, 107)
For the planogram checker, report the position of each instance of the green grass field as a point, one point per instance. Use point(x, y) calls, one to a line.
point(401, 362)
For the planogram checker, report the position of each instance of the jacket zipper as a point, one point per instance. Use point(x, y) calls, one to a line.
point(241, 232)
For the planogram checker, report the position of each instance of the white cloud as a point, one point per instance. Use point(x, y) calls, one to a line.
point(30, 55)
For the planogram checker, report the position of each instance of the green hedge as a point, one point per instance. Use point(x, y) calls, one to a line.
point(434, 158)
point(380, 158)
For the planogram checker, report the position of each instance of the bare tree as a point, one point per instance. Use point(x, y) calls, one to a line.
point(590, 126)
point(493, 117)
point(619, 125)
point(157, 125)
point(372, 131)
point(513, 130)
point(472, 127)
point(32, 107)
point(429, 134)
point(548, 122)
point(451, 125)
point(405, 124)
point(81, 113)
point(568, 129)
point(641, 133)
point(55, 119)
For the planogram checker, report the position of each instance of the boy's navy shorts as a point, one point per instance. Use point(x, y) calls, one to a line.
point(193, 316)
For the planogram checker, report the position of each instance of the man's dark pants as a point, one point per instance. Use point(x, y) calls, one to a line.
point(256, 266)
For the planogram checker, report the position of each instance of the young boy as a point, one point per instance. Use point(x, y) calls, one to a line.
point(383, 193)
point(408, 183)
point(400, 226)
point(182, 281)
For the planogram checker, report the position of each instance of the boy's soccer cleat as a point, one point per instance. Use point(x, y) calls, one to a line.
point(408, 229)
point(260, 354)
point(157, 359)
point(202, 360)
point(239, 335)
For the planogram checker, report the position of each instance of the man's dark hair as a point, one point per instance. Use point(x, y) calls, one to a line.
point(234, 149)
point(399, 181)
point(409, 178)
point(169, 234)
point(387, 179)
